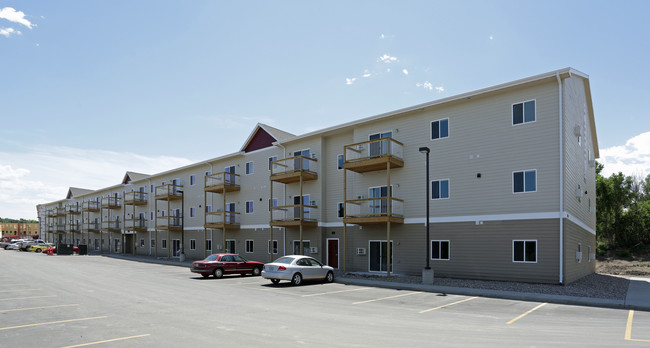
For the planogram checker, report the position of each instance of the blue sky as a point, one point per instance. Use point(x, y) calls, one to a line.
point(91, 89)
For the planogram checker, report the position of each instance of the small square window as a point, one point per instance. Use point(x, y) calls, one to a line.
point(440, 189)
point(192, 180)
point(249, 207)
point(523, 112)
point(524, 181)
point(524, 251)
point(249, 168)
point(440, 129)
point(440, 250)
point(192, 212)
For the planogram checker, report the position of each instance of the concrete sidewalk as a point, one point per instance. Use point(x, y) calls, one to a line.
point(638, 292)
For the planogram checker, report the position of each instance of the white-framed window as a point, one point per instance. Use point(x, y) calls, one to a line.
point(192, 244)
point(274, 204)
point(524, 251)
point(208, 208)
point(275, 246)
point(524, 181)
point(249, 245)
point(208, 244)
point(249, 168)
point(440, 189)
point(340, 209)
point(164, 244)
point(339, 161)
point(249, 207)
point(440, 250)
point(141, 242)
point(192, 180)
point(440, 129)
point(192, 211)
point(523, 112)
point(271, 159)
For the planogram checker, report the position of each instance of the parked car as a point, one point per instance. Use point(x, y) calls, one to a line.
point(6, 244)
point(220, 264)
point(38, 248)
point(25, 246)
point(297, 268)
point(53, 249)
point(13, 246)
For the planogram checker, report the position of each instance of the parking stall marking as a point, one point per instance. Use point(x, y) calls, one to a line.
point(387, 298)
point(25, 298)
point(50, 323)
point(106, 341)
point(334, 292)
point(447, 305)
point(32, 308)
point(628, 328)
point(525, 314)
point(14, 290)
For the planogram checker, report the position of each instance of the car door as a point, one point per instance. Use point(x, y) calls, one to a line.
point(228, 264)
point(311, 271)
point(240, 264)
point(319, 271)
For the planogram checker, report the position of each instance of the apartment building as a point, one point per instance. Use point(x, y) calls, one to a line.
point(512, 192)
point(19, 230)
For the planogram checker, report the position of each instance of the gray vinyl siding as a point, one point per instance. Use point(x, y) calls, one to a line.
point(573, 268)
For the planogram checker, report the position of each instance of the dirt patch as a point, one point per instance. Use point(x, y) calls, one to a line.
point(625, 267)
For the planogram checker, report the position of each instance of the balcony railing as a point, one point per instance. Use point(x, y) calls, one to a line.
point(222, 219)
point(173, 223)
point(292, 169)
point(51, 212)
point(74, 209)
point(111, 226)
point(111, 202)
point(137, 224)
point(50, 228)
point(374, 155)
point(135, 198)
point(222, 182)
point(59, 228)
point(74, 227)
point(374, 210)
point(91, 226)
point(169, 192)
point(90, 206)
point(59, 211)
point(289, 215)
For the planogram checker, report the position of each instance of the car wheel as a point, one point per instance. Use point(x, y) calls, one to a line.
point(205, 275)
point(275, 281)
point(329, 277)
point(256, 271)
point(296, 279)
point(218, 273)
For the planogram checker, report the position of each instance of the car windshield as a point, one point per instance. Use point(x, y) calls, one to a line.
point(238, 258)
point(286, 260)
point(211, 258)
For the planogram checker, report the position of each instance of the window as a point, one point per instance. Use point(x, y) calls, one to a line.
point(524, 181)
point(249, 245)
point(208, 244)
point(192, 180)
point(440, 189)
point(271, 159)
point(208, 208)
point(249, 168)
point(249, 207)
point(440, 129)
point(439, 250)
point(142, 243)
point(339, 162)
point(208, 173)
point(306, 250)
point(151, 216)
point(164, 243)
point(523, 112)
point(192, 244)
point(192, 212)
point(153, 243)
point(524, 251)
point(275, 247)
point(275, 203)
point(340, 210)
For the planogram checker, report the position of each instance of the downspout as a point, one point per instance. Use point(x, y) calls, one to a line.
point(561, 120)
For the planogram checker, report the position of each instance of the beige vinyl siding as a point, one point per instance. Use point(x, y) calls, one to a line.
point(573, 268)
point(332, 178)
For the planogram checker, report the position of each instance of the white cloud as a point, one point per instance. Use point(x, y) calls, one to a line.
point(10, 14)
point(349, 81)
point(633, 158)
point(382, 36)
point(425, 85)
point(405, 72)
point(491, 37)
point(440, 89)
point(387, 59)
point(6, 32)
point(44, 174)
point(366, 73)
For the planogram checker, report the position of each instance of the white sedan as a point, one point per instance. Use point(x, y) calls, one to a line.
point(297, 268)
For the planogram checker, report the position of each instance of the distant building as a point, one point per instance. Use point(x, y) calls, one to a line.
point(19, 230)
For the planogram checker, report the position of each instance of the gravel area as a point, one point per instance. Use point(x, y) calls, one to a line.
point(596, 285)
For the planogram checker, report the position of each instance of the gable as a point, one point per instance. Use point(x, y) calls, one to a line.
point(260, 140)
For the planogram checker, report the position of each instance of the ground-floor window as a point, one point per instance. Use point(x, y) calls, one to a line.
point(305, 247)
point(378, 257)
point(141, 242)
point(208, 244)
point(192, 244)
point(249, 245)
point(275, 247)
point(524, 251)
point(439, 250)
point(164, 243)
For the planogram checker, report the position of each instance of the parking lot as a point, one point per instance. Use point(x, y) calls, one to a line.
point(75, 301)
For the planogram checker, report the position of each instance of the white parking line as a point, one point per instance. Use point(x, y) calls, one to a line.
point(25, 298)
point(14, 290)
point(448, 304)
point(32, 308)
point(387, 298)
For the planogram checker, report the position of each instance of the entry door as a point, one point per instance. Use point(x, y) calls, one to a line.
point(176, 247)
point(379, 148)
point(296, 210)
point(378, 256)
point(378, 206)
point(301, 163)
point(230, 179)
point(333, 253)
point(230, 246)
point(229, 218)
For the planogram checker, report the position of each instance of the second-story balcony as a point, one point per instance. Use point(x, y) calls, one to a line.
point(137, 224)
point(59, 211)
point(374, 211)
point(135, 198)
point(171, 223)
point(111, 203)
point(169, 192)
point(51, 212)
point(292, 169)
point(91, 226)
point(111, 226)
point(50, 228)
point(374, 155)
point(222, 182)
point(73, 209)
point(59, 227)
point(92, 206)
point(290, 216)
point(222, 219)
point(73, 227)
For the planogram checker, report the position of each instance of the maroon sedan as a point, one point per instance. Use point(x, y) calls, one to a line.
point(220, 264)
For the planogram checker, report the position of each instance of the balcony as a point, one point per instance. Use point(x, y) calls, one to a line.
point(59, 211)
point(59, 228)
point(135, 198)
point(374, 211)
point(74, 209)
point(50, 228)
point(169, 192)
point(91, 226)
point(92, 206)
point(111, 226)
point(171, 223)
point(292, 169)
point(289, 216)
point(74, 227)
point(222, 220)
point(222, 182)
point(51, 212)
point(111, 203)
point(374, 155)
point(137, 224)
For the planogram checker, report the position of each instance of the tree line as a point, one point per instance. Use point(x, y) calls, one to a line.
point(622, 210)
point(17, 221)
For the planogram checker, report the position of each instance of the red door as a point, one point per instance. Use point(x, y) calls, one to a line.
point(333, 253)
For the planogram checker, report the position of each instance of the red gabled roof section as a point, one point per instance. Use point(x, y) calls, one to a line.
point(260, 140)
